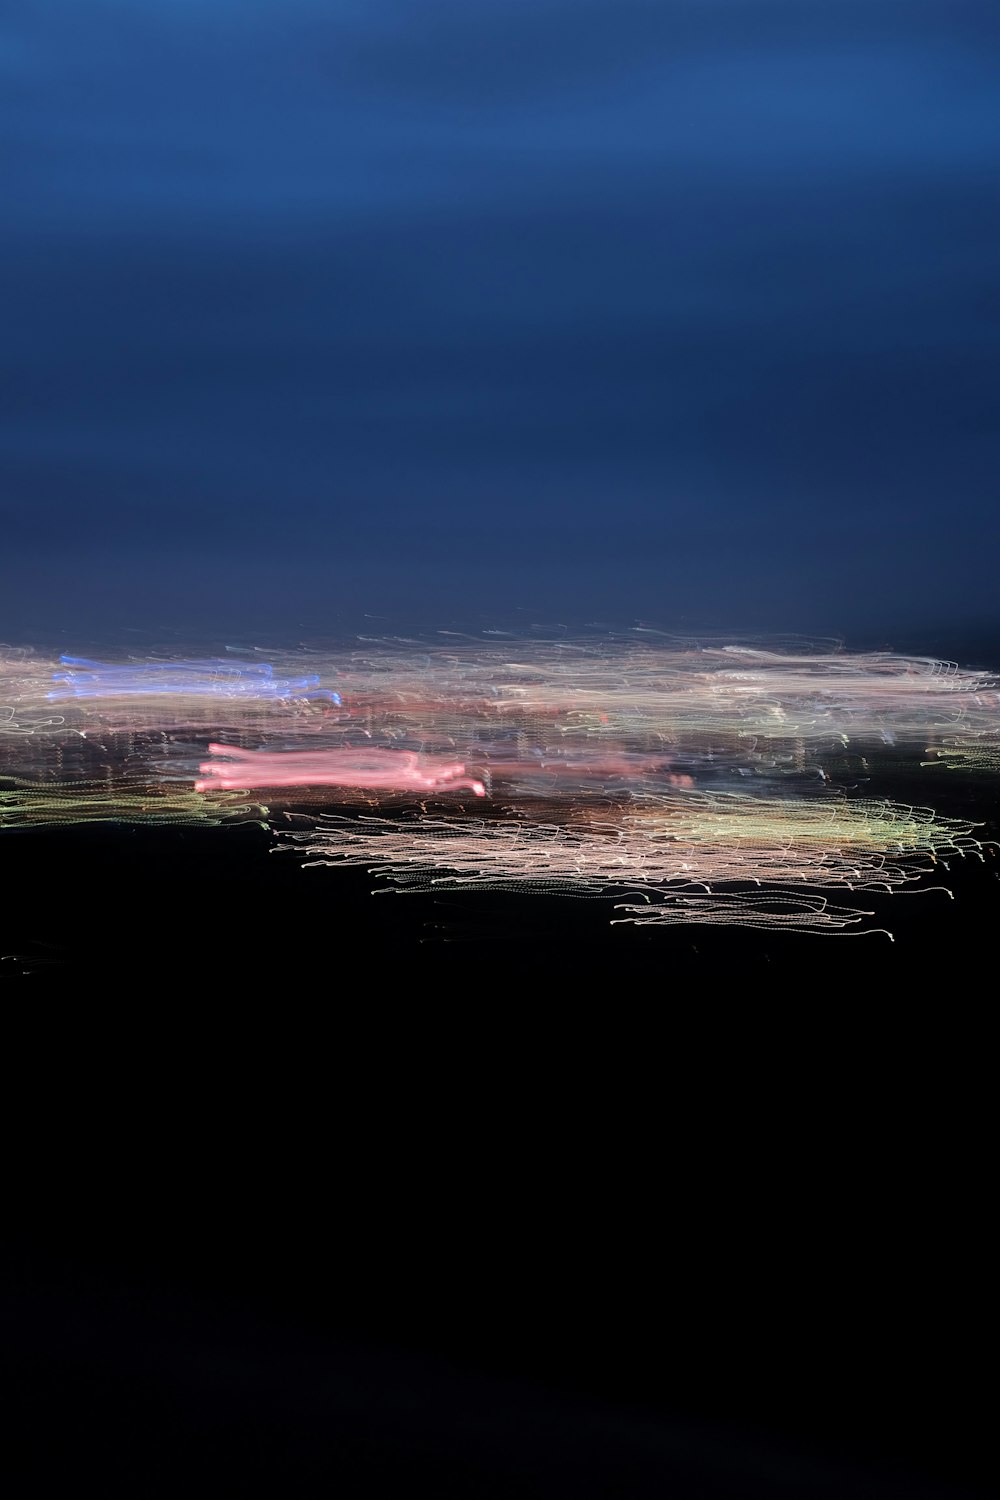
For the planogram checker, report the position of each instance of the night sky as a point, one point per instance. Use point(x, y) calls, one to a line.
point(676, 310)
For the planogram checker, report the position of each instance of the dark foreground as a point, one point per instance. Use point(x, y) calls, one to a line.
point(311, 1191)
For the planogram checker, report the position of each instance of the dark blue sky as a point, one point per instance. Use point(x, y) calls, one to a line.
point(673, 309)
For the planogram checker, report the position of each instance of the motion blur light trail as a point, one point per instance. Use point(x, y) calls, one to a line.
point(386, 770)
point(690, 782)
point(210, 679)
point(673, 849)
point(607, 692)
point(24, 804)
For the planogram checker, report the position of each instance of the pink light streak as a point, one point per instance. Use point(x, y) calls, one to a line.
point(362, 770)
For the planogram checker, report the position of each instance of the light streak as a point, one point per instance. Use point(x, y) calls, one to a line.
point(81, 678)
point(632, 696)
point(685, 852)
point(25, 804)
point(385, 770)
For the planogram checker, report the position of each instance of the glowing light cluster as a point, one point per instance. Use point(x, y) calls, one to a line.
point(692, 781)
